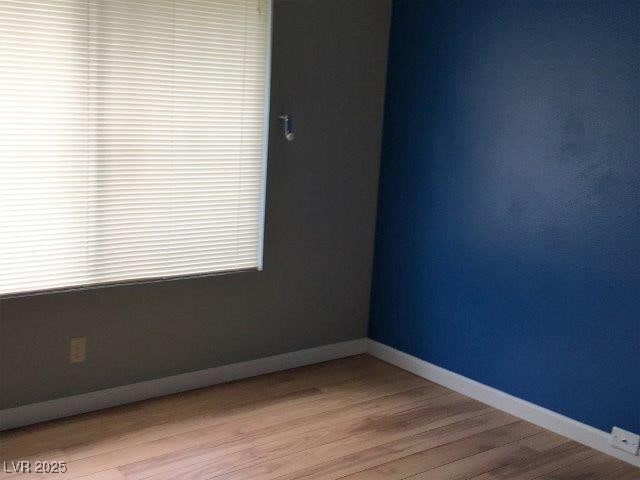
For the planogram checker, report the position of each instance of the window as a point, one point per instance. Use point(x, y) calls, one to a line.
point(132, 139)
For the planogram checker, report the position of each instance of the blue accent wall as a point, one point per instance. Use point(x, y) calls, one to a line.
point(508, 236)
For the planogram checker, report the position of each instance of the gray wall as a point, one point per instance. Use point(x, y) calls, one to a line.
point(329, 68)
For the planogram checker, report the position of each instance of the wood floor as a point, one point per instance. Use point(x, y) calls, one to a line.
point(355, 419)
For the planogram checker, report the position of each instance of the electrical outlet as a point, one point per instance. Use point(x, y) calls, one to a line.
point(77, 349)
point(626, 441)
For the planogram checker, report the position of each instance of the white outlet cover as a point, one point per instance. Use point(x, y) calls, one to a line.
point(625, 441)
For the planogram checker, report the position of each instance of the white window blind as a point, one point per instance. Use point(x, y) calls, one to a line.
point(132, 139)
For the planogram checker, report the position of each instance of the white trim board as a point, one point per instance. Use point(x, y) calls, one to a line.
point(580, 432)
point(76, 404)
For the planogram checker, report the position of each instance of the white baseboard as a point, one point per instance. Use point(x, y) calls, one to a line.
point(580, 432)
point(76, 404)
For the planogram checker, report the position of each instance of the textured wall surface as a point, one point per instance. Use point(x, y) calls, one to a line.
point(329, 62)
point(508, 237)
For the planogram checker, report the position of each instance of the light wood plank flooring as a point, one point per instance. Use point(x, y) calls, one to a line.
point(356, 419)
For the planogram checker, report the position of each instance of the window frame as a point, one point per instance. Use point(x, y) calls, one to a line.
point(262, 207)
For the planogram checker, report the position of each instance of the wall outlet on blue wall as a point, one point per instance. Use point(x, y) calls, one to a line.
point(626, 441)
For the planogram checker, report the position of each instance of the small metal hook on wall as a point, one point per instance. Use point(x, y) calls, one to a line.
point(287, 126)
